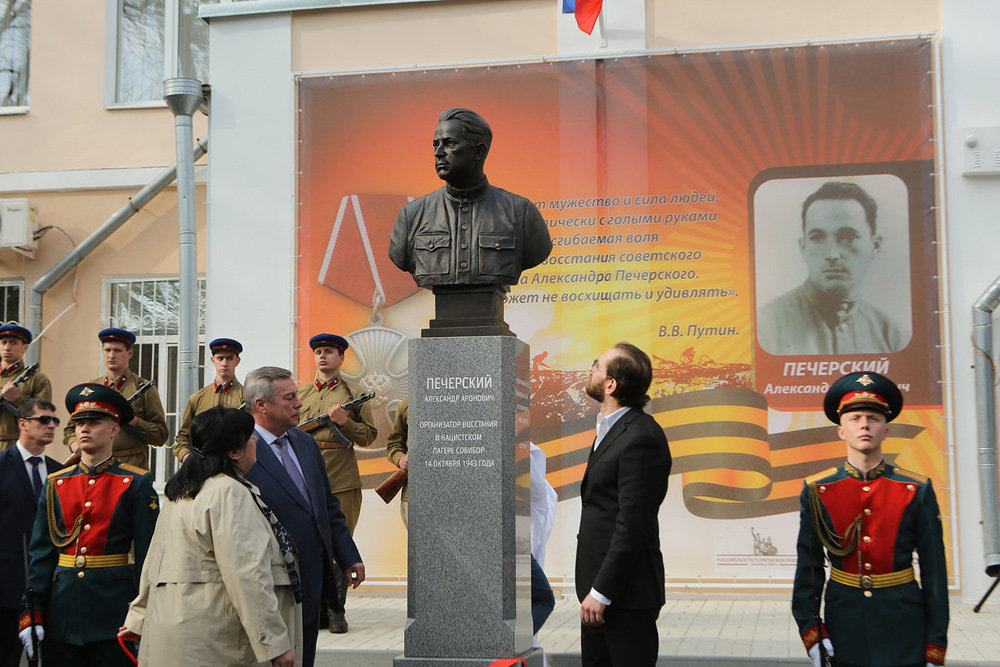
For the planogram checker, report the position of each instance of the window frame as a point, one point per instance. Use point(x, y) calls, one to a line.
point(20, 284)
point(171, 18)
point(23, 108)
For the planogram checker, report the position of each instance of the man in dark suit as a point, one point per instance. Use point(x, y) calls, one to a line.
point(23, 469)
point(292, 479)
point(619, 567)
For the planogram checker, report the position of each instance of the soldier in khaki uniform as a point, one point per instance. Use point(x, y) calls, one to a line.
point(397, 450)
point(326, 394)
point(226, 390)
point(14, 341)
point(149, 425)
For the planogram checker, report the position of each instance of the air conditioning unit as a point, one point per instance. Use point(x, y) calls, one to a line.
point(18, 224)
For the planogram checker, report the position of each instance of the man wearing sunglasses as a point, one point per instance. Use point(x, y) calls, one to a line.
point(23, 469)
point(14, 342)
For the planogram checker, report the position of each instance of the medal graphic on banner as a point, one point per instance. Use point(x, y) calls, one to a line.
point(376, 345)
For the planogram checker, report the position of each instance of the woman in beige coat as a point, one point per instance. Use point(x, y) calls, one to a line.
point(219, 585)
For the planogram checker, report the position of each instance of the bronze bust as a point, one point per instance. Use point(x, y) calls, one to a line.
point(468, 232)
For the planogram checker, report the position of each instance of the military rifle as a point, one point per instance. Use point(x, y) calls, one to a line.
point(391, 485)
point(316, 423)
point(24, 376)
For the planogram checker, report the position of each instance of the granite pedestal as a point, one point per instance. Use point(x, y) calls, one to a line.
point(469, 578)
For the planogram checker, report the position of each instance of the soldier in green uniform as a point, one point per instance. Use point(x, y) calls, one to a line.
point(90, 517)
point(324, 395)
point(148, 426)
point(397, 450)
point(226, 390)
point(870, 516)
point(14, 341)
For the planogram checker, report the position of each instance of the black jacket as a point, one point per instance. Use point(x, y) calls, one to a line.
point(618, 546)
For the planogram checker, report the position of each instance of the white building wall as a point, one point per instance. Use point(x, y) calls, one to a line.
point(970, 67)
point(251, 235)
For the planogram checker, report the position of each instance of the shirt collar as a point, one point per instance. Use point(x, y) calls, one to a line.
point(25, 454)
point(331, 383)
point(224, 388)
point(118, 384)
point(269, 437)
point(99, 468)
point(613, 418)
point(833, 310)
point(13, 368)
point(474, 193)
point(874, 473)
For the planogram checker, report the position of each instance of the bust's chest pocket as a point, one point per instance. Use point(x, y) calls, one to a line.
point(498, 255)
point(432, 254)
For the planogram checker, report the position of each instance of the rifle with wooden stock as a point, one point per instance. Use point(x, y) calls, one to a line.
point(391, 485)
point(324, 420)
point(23, 377)
point(74, 458)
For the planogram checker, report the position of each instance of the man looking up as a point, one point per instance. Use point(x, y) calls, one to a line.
point(226, 390)
point(325, 395)
point(23, 469)
point(14, 342)
point(90, 518)
point(619, 566)
point(290, 475)
point(148, 424)
point(870, 516)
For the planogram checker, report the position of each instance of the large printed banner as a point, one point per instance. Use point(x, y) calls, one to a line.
point(760, 221)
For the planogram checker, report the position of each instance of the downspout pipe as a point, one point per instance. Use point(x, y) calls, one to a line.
point(986, 423)
point(184, 96)
point(80, 252)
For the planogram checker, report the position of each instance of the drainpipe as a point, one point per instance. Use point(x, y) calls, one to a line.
point(986, 422)
point(80, 252)
point(184, 96)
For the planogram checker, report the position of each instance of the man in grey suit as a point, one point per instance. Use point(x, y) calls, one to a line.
point(619, 567)
point(292, 479)
point(23, 471)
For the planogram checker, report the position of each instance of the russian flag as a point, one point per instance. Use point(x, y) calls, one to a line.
point(586, 12)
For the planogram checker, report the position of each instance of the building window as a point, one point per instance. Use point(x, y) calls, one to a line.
point(150, 308)
point(146, 33)
point(11, 302)
point(15, 47)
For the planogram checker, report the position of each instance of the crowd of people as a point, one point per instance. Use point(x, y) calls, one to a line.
point(254, 542)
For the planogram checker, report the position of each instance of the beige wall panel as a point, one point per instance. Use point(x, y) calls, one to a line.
point(67, 126)
point(704, 23)
point(442, 32)
point(145, 246)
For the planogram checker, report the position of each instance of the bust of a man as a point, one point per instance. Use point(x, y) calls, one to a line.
point(468, 232)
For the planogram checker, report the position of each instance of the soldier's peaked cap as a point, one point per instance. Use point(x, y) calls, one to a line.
point(91, 400)
point(863, 390)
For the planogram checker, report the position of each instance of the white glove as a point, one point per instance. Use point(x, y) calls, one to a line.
point(814, 651)
point(25, 637)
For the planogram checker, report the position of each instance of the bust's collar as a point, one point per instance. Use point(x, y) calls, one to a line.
point(473, 193)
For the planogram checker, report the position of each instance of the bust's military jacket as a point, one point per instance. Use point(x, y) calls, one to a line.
point(480, 236)
point(341, 464)
point(875, 611)
point(88, 521)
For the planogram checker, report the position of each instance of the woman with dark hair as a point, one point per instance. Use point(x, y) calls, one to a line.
point(220, 584)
